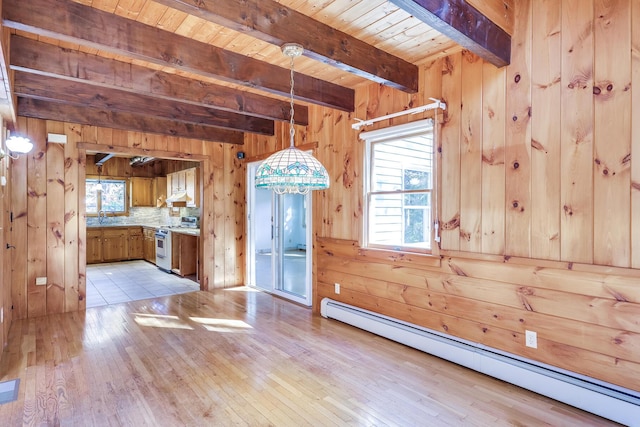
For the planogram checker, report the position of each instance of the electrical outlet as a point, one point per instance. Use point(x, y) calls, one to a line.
point(337, 288)
point(531, 339)
point(41, 281)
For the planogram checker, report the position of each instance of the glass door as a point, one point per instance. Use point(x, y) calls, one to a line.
point(278, 234)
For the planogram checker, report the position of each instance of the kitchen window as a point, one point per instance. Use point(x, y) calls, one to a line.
point(399, 183)
point(106, 195)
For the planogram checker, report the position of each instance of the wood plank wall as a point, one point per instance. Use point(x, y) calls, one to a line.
point(5, 262)
point(549, 145)
point(47, 201)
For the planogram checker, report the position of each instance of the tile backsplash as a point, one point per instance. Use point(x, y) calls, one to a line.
point(145, 216)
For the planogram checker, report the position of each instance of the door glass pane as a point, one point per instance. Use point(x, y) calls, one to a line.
point(263, 250)
point(293, 244)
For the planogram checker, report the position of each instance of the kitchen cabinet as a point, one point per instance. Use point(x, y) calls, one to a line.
point(115, 244)
point(142, 192)
point(192, 185)
point(184, 254)
point(136, 243)
point(176, 182)
point(149, 249)
point(106, 244)
point(160, 191)
point(185, 181)
point(94, 246)
point(149, 192)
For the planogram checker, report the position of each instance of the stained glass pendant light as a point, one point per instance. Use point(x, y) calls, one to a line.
point(291, 170)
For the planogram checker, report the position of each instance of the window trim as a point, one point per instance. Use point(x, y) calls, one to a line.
point(389, 133)
point(126, 194)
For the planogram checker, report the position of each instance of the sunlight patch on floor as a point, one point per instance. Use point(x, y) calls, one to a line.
point(161, 321)
point(243, 289)
point(222, 325)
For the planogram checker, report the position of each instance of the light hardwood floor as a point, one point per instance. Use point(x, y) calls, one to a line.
point(240, 357)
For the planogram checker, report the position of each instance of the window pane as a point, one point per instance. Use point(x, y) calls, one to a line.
point(417, 225)
point(113, 196)
point(416, 200)
point(385, 219)
point(91, 199)
point(417, 179)
point(402, 164)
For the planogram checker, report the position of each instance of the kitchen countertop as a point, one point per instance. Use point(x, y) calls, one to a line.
point(182, 230)
point(186, 230)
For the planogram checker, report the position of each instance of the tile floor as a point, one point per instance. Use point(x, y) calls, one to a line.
point(118, 282)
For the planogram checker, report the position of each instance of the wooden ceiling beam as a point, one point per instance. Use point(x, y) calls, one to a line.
point(7, 100)
point(101, 158)
point(80, 94)
point(276, 24)
point(46, 110)
point(76, 23)
point(464, 25)
point(33, 56)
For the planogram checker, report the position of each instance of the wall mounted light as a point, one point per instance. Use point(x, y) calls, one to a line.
point(18, 144)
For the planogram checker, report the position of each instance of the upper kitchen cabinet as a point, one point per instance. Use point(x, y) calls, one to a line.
point(183, 188)
point(142, 192)
point(193, 186)
point(150, 192)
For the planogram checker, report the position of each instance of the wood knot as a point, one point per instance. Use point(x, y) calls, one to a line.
point(514, 118)
point(515, 204)
point(596, 90)
point(609, 87)
point(516, 165)
point(517, 78)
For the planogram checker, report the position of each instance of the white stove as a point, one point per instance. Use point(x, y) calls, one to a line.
point(163, 240)
point(163, 249)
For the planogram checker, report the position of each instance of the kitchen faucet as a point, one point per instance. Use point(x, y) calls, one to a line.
point(102, 215)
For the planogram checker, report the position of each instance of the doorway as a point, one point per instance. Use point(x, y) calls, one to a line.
point(279, 234)
point(128, 270)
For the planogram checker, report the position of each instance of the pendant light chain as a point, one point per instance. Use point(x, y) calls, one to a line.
point(292, 130)
point(292, 171)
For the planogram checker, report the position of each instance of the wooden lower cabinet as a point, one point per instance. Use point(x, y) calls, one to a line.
point(149, 250)
point(115, 244)
point(136, 243)
point(184, 254)
point(107, 244)
point(94, 246)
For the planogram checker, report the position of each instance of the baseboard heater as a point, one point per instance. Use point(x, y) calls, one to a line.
point(606, 400)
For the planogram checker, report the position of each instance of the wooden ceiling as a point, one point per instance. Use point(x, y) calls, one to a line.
point(213, 69)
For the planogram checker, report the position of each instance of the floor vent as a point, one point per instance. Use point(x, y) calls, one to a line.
point(606, 400)
point(9, 390)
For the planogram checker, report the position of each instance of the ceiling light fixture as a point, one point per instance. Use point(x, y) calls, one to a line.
point(19, 144)
point(292, 170)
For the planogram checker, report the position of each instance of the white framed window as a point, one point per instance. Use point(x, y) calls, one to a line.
point(399, 185)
